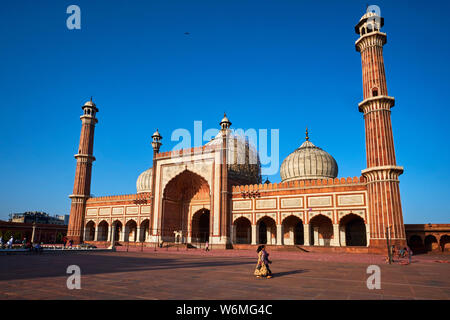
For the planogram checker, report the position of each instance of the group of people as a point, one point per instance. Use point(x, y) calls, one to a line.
point(24, 244)
point(401, 252)
point(9, 243)
point(68, 243)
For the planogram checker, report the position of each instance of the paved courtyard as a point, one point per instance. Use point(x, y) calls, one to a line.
point(220, 274)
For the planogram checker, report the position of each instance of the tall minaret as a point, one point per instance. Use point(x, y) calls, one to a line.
point(82, 184)
point(225, 217)
point(382, 172)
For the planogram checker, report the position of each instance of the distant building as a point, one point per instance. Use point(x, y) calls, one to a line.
point(63, 217)
point(39, 217)
point(39, 232)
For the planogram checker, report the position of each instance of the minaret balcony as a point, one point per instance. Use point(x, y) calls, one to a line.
point(84, 157)
point(376, 103)
point(374, 38)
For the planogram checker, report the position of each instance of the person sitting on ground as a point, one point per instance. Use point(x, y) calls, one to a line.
point(38, 248)
point(405, 252)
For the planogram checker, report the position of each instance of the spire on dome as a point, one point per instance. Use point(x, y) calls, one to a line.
point(307, 137)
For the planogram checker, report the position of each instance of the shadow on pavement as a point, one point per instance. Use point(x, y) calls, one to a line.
point(42, 266)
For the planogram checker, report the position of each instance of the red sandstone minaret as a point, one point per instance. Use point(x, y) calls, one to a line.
point(225, 217)
point(382, 171)
point(82, 184)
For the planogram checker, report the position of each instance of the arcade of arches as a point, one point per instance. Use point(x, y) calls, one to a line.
point(104, 231)
point(429, 243)
point(351, 231)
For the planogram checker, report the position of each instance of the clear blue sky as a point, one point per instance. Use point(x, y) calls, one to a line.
point(269, 64)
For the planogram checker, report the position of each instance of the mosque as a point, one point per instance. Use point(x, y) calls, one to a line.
point(203, 194)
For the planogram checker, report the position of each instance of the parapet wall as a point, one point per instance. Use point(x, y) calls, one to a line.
point(186, 152)
point(136, 198)
point(299, 184)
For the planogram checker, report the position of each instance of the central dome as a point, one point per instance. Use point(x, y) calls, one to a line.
point(243, 161)
point(308, 162)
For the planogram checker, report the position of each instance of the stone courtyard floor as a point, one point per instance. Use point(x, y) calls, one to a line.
point(220, 274)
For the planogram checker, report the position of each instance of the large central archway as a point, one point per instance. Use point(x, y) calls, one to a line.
point(180, 195)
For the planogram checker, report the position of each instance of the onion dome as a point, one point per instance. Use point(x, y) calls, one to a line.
point(308, 162)
point(144, 182)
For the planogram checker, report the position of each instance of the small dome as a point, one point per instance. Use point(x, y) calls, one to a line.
point(225, 119)
point(156, 134)
point(368, 15)
point(90, 104)
point(144, 182)
point(308, 162)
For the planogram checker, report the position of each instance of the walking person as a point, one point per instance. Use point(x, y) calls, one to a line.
point(262, 266)
point(206, 246)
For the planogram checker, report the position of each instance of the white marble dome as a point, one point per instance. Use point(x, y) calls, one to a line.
point(144, 181)
point(243, 159)
point(308, 162)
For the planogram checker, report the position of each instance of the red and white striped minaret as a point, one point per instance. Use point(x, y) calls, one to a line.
point(381, 175)
point(82, 184)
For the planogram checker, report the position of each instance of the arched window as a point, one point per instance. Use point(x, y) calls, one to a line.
point(374, 92)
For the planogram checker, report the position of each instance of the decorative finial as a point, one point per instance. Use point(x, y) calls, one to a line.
point(225, 123)
point(91, 98)
point(307, 138)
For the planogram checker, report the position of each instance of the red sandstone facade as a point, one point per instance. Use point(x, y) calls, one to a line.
point(190, 196)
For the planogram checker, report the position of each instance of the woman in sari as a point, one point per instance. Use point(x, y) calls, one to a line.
point(262, 267)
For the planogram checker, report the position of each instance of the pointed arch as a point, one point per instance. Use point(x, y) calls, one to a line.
point(242, 230)
point(266, 230)
point(178, 195)
point(322, 230)
point(293, 232)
